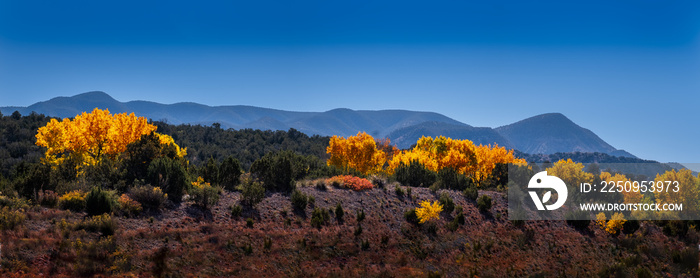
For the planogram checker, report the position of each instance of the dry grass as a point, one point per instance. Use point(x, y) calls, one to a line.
point(188, 241)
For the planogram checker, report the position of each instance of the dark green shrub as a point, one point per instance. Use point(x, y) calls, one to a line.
point(248, 249)
point(230, 173)
point(267, 243)
point(319, 217)
point(279, 170)
point(339, 213)
point(644, 273)
point(204, 194)
point(249, 222)
point(299, 200)
point(236, 211)
point(252, 192)
point(449, 178)
point(210, 171)
point(460, 215)
point(411, 216)
point(498, 177)
point(471, 193)
point(170, 175)
point(385, 240)
point(452, 225)
point(99, 202)
point(414, 174)
point(572, 218)
point(321, 185)
point(484, 203)
point(360, 216)
point(630, 226)
point(378, 182)
point(431, 228)
point(139, 155)
point(358, 230)
point(151, 198)
point(399, 191)
point(446, 201)
point(686, 258)
point(674, 227)
point(364, 245)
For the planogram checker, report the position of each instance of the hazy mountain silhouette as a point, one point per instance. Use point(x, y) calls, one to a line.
point(405, 137)
point(552, 133)
point(546, 134)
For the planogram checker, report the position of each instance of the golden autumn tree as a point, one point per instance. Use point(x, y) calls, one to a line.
point(357, 152)
point(686, 192)
point(438, 153)
point(90, 136)
point(477, 162)
point(488, 157)
point(570, 172)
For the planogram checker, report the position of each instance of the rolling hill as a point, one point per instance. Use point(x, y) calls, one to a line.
point(542, 134)
point(552, 133)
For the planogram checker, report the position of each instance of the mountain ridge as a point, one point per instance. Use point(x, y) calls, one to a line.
point(546, 133)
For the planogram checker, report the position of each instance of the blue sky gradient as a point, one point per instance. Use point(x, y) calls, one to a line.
point(627, 70)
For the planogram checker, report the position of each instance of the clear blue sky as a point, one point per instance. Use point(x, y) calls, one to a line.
point(627, 70)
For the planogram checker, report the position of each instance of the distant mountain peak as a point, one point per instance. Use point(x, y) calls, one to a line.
point(97, 96)
point(551, 133)
point(546, 133)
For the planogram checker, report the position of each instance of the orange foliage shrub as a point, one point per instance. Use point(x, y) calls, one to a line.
point(351, 182)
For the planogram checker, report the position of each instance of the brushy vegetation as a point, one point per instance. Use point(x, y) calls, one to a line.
point(319, 217)
point(299, 200)
point(484, 203)
point(98, 202)
point(204, 194)
point(151, 198)
point(56, 221)
point(73, 201)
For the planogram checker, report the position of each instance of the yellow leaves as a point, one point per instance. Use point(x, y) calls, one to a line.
point(167, 140)
point(358, 152)
point(438, 153)
point(461, 155)
point(428, 211)
point(570, 172)
point(200, 183)
point(89, 136)
point(612, 226)
point(686, 191)
point(487, 158)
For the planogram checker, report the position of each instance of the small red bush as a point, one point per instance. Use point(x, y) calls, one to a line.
point(351, 182)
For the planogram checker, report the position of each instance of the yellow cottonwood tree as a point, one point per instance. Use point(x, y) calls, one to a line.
point(570, 172)
point(477, 162)
point(487, 157)
point(438, 153)
point(358, 152)
point(687, 192)
point(90, 136)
